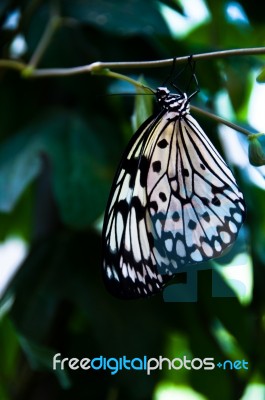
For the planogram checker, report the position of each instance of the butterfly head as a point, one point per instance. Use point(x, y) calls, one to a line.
point(178, 103)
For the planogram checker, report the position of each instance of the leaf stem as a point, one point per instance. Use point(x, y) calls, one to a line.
point(220, 120)
point(116, 75)
point(253, 136)
point(52, 25)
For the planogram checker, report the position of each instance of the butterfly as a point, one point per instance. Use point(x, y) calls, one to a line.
point(174, 202)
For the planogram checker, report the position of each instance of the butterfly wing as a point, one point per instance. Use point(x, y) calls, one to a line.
point(195, 204)
point(174, 202)
point(129, 264)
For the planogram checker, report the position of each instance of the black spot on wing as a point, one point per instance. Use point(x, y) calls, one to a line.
point(216, 201)
point(162, 144)
point(192, 225)
point(156, 166)
point(162, 196)
point(205, 201)
point(206, 216)
point(175, 216)
point(153, 205)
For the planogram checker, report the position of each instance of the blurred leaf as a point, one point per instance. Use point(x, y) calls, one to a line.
point(19, 165)
point(256, 150)
point(79, 172)
point(143, 107)
point(242, 331)
point(3, 393)
point(64, 273)
point(35, 306)
point(119, 17)
point(254, 13)
point(175, 5)
point(54, 270)
point(19, 221)
point(41, 357)
point(177, 344)
point(255, 198)
point(9, 356)
point(3, 5)
point(202, 344)
point(5, 305)
point(237, 84)
point(74, 135)
point(261, 76)
point(219, 30)
point(9, 348)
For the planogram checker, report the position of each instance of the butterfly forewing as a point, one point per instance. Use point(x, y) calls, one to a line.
point(174, 202)
point(129, 263)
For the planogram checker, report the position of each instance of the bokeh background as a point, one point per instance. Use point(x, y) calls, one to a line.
point(61, 140)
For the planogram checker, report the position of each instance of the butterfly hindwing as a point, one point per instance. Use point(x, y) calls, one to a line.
point(195, 204)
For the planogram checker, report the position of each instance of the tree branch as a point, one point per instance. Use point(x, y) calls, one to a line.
point(102, 68)
point(98, 66)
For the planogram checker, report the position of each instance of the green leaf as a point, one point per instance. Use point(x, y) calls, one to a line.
point(143, 107)
point(238, 85)
point(19, 165)
point(5, 305)
point(3, 393)
point(256, 150)
point(41, 358)
point(261, 76)
point(79, 177)
point(3, 6)
point(19, 221)
point(117, 16)
point(54, 270)
point(9, 347)
point(79, 171)
point(175, 5)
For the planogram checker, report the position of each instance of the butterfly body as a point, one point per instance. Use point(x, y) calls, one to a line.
point(174, 202)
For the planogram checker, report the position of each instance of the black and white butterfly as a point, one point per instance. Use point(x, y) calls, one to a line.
point(174, 202)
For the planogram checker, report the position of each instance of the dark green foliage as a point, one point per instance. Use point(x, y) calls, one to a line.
point(61, 139)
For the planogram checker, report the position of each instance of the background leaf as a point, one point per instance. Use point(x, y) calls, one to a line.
point(61, 140)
